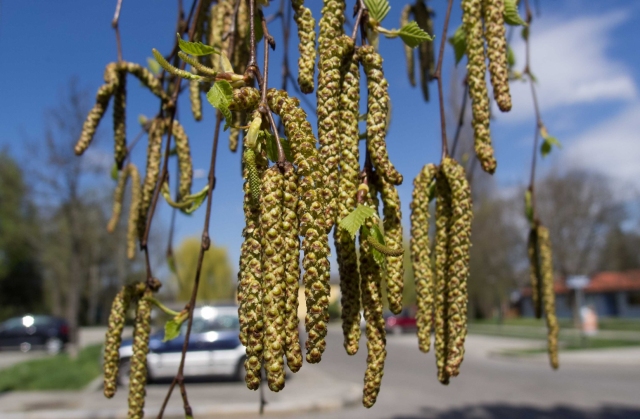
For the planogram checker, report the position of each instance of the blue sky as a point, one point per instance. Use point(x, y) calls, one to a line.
point(583, 54)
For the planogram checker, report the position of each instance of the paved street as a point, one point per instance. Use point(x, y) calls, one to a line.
point(488, 387)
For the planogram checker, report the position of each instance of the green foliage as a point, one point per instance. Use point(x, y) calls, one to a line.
point(356, 219)
point(413, 35)
point(459, 43)
point(195, 48)
point(511, 16)
point(216, 283)
point(58, 372)
point(378, 256)
point(172, 326)
point(272, 147)
point(153, 65)
point(220, 96)
point(547, 142)
point(378, 9)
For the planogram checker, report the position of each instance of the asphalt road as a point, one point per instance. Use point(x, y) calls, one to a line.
point(487, 387)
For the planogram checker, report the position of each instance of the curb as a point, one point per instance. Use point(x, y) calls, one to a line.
point(347, 399)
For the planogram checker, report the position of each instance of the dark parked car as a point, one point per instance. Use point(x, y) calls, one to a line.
point(400, 323)
point(214, 348)
point(27, 332)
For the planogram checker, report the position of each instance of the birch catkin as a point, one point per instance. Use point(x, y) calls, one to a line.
point(408, 51)
point(535, 274)
point(420, 255)
point(184, 157)
point(113, 339)
point(138, 374)
point(194, 98)
point(548, 294)
point(290, 228)
point(153, 170)
point(307, 45)
point(476, 69)
point(134, 207)
point(377, 112)
point(119, 120)
point(372, 305)
point(346, 202)
point(273, 282)
point(494, 32)
point(393, 239)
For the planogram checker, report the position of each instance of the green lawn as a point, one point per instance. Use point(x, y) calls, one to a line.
point(53, 373)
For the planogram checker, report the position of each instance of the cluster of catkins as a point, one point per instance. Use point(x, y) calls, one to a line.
point(441, 282)
point(484, 20)
point(423, 16)
point(542, 294)
point(138, 295)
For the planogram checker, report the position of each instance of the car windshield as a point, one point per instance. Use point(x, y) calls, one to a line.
point(219, 323)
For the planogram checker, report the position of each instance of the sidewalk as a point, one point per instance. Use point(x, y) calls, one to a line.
point(308, 390)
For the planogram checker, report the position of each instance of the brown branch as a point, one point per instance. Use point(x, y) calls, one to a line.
point(114, 25)
point(456, 137)
point(359, 12)
point(438, 75)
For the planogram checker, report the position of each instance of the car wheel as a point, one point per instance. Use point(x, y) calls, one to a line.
point(53, 346)
point(123, 372)
point(239, 373)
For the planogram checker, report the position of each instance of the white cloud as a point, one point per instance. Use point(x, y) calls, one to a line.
point(569, 58)
point(612, 147)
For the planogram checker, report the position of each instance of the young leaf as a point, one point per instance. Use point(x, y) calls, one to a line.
point(114, 172)
point(525, 33)
point(153, 65)
point(196, 200)
point(257, 24)
point(220, 96)
point(378, 9)
point(547, 144)
point(195, 48)
point(171, 330)
point(272, 147)
point(413, 35)
point(225, 64)
point(511, 16)
point(511, 57)
point(459, 43)
point(375, 233)
point(352, 222)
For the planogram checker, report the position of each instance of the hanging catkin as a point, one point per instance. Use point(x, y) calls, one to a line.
point(408, 51)
point(307, 45)
point(119, 120)
point(548, 294)
point(138, 373)
point(421, 254)
point(134, 207)
point(311, 214)
point(93, 118)
point(494, 32)
point(194, 97)
point(346, 200)
point(184, 157)
point(393, 239)
point(273, 280)
point(290, 228)
point(113, 339)
point(459, 246)
point(250, 283)
point(377, 112)
point(476, 69)
point(426, 53)
point(153, 170)
point(372, 305)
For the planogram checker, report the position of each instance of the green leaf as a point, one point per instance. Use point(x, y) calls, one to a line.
point(511, 57)
point(352, 222)
point(413, 35)
point(171, 330)
point(528, 206)
point(511, 16)
point(548, 144)
point(225, 64)
point(153, 65)
point(378, 9)
point(220, 96)
point(195, 48)
point(171, 262)
point(272, 147)
point(196, 200)
point(257, 27)
point(114, 172)
point(459, 43)
point(525, 33)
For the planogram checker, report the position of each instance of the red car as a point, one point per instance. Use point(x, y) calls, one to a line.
point(400, 323)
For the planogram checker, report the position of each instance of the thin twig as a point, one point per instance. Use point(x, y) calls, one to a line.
point(456, 137)
point(360, 9)
point(438, 75)
point(114, 25)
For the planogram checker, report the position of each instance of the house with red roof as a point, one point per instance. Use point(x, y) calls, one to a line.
point(612, 294)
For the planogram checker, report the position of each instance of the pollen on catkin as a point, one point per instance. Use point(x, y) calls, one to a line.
point(93, 118)
point(408, 51)
point(195, 99)
point(153, 170)
point(113, 339)
point(476, 69)
point(119, 120)
point(494, 32)
point(421, 254)
point(535, 274)
point(377, 112)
